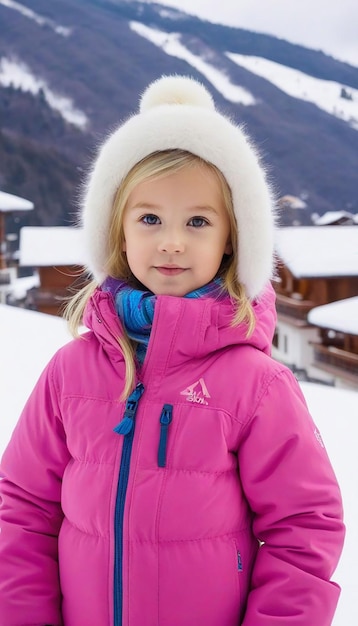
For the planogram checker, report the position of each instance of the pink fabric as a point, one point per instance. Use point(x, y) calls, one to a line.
point(245, 464)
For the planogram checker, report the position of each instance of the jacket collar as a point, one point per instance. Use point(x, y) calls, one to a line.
point(184, 329)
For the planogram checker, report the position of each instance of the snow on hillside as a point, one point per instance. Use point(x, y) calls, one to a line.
point(16, 74)
point(325, 94)
point(334, 98)
point(36, 17)
point(28, 339)
point(323, 26)
point(170, 44)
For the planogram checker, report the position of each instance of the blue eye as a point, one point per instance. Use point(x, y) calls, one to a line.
point(197, 222)
point(150, 219)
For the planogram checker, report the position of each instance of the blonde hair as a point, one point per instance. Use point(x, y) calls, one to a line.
point(158, 165)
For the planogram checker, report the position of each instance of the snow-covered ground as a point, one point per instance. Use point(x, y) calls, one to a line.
point(335, 412)
point(28, 340)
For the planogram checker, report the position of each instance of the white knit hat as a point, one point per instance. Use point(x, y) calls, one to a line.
point(178, 112)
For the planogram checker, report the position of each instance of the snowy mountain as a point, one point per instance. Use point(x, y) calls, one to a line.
point(72, 69)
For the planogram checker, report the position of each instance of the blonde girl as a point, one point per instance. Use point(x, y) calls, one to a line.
point(165, 470)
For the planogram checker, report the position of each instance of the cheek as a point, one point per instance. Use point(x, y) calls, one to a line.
point(135, 254)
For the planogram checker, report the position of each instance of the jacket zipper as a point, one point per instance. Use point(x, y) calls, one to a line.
point(126, 428)
point(165, 420)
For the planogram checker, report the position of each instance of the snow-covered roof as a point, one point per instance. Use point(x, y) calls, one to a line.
point(319, 251)
point(9, 203)
point(333, 216)
point(47, 246)
point(18, 287)
point(292, 202)
point(341, 316)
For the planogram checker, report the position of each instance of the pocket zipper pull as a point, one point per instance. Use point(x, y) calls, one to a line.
point(165, 420)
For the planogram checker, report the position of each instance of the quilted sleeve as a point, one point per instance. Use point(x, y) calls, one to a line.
point(30, 512)
point(293, 493)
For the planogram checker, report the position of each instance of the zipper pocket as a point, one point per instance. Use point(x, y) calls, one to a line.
point(164, 420)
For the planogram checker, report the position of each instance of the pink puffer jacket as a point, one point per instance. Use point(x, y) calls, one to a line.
point(154, 518)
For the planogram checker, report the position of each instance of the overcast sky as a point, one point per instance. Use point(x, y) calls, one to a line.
point(328, 25)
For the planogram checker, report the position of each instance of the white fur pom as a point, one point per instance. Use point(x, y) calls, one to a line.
point(176, 90)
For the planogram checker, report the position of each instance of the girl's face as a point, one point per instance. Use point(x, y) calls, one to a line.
point(176, 231)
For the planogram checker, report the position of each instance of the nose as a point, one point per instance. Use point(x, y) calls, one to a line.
point(172, 243)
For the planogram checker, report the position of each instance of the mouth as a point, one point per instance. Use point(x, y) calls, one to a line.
point(170, 270)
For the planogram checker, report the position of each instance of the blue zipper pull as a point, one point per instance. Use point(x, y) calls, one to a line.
point(126, 424)
point(165, 420)
point(239, 562)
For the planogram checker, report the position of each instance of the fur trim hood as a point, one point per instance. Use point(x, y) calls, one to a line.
point(179, 112)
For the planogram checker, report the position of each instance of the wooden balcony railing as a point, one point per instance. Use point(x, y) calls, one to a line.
point(336, 361)
point(293, 307)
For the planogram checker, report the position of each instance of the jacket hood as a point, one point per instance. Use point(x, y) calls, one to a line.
point(187, 328)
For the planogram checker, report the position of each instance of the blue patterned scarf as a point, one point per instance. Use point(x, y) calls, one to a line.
point(135, 308)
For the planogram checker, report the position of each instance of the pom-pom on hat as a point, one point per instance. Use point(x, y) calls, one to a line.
point(177, 112)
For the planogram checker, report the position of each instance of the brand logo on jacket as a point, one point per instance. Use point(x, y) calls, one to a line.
point(197, 392)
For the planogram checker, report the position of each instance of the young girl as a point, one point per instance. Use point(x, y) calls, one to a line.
point(165, 470)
